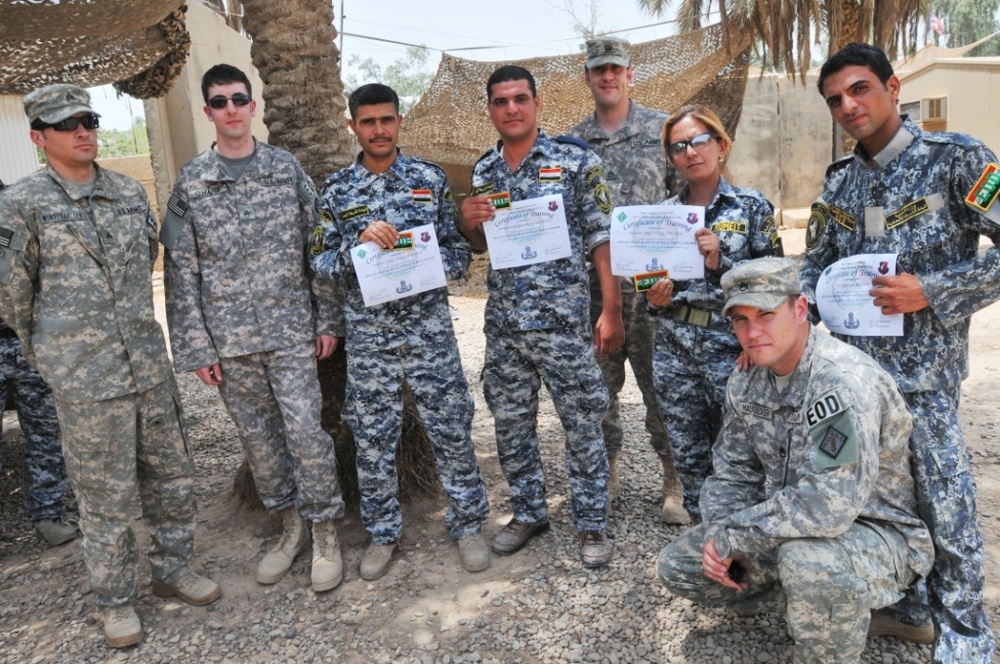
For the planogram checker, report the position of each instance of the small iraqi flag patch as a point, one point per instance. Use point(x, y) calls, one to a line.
point(551, 174)
point(423, 196)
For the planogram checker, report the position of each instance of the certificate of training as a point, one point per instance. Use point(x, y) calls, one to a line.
point(413, 266)
point(653, 238)
point(528, 232)
point(844, 300)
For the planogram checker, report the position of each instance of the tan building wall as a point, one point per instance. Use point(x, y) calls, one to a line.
point(782, 147)
point(972, 88)
point(18, 156)
point(177, 126)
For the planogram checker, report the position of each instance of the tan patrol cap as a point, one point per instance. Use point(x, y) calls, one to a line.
point(56, 102)
point(607, 50)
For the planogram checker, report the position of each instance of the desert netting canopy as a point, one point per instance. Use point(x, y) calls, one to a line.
point(449, 124)
point(139, 46)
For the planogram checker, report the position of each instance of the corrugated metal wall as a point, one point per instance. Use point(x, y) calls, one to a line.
point(973, 90)
point(17, 153)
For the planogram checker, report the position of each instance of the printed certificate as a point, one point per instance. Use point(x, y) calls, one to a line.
point(528, 232)
point(842, 295)
point(414, 266)
point(653, 238)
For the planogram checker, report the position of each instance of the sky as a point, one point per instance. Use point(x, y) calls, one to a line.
point(474, 29)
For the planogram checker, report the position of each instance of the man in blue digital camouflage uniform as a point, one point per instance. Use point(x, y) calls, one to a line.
point(537, 317)
point(811, 509)
point(383, 193)
point(927, 197)
point(626, 136)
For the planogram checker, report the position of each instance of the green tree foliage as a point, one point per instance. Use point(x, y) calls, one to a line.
point(408, 76)
point(966, 21)
point(119, 143)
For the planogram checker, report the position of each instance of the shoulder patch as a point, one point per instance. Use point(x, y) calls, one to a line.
point(984, 193)
point(602, 196)
point(592, 173)
point(318, 244)
point(324, 215)
point(307, 190)
point(823, 409)
point(177, 206)
point(818, 218)
point(572, 140)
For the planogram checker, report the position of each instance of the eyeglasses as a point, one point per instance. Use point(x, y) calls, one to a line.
point(699, 142)
point(220, 101)
point(89, 121)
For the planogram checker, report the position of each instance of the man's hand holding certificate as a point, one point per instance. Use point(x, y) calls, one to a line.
point(843, 296)
point(651, 239)
point(527, 232)
point(412, 266)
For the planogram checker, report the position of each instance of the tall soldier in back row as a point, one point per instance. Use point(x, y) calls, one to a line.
point(76, 284)
point(626, 136)
point(927, 197)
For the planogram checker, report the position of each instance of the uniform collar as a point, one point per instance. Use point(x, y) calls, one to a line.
point(593, 129)
point(363, 177)
point(260, 162)
point(101, 185)
point(725, 190)
point(543, 146)
point(907, 133)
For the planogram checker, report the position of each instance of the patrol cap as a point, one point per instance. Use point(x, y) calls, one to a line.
point(607, 50)
point(54, 103)
point(763, 283)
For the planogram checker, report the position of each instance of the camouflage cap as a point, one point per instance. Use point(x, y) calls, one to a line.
point(607, 50)
point(763, 283)
point(56, 102)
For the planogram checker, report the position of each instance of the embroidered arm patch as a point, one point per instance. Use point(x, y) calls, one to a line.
point(832, 432)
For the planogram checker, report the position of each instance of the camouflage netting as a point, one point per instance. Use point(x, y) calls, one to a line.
point(449, 124)
point(139, 46)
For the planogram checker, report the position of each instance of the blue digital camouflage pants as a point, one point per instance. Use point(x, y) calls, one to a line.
point(691, 365)
point(373, 408)
point(274, 401)
point(826, 588)
point(117, 451)
point(36, 411)
point(946, 500)
point(638, 350)
point(514, 367)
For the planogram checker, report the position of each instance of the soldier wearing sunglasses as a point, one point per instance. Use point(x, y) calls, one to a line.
point(247, 316)
point(77, 245)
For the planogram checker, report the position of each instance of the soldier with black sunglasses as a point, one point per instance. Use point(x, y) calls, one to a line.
point(77, 246)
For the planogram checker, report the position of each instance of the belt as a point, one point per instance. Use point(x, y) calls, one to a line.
point(687, 314)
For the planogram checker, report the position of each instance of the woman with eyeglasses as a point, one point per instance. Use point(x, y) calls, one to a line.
point(696, 349)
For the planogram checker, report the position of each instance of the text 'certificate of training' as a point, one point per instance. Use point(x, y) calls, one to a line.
point(653, 238)
point(844, 299)
point(413, 266)
point(528, 232)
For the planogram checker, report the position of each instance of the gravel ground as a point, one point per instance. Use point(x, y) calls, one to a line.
point(539, 605)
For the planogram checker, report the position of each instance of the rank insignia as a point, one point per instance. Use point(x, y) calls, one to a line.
point(550, 174)
point(423, 196)
point(643, 282)
point(833, 443)
point(404, 241)
point(500, 201)
point(985, 191)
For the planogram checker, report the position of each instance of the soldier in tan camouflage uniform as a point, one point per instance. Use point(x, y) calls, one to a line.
point(812, 504)
point(77, 245)
point(626, 136)
point(246, 316)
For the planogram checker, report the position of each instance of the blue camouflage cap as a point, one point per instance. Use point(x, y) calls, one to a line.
point(55, 103)
point(763, 283)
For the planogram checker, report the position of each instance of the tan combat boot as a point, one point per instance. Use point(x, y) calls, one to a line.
point(121, 626)
point(278, 561)
point(327, 565)
point(614, 482)
point(673, 505)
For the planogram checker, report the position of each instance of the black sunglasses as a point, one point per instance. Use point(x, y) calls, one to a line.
point(219, 101)
point(698, 142)
point(89, 121)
